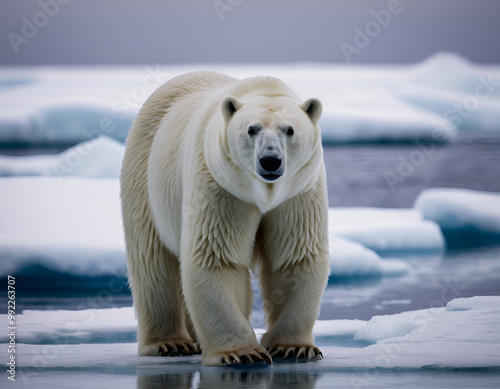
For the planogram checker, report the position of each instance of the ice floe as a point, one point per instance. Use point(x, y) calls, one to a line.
point(433, 100)
point(462, 334)
point(467, 217)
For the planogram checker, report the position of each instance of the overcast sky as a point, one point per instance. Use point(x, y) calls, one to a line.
point(245, 31)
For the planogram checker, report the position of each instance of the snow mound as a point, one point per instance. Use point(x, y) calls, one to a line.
point(60, 122)
point(100, 157)
point(65, 105)
point(467, 217)
point(351, 259)
point(395, 122)
point(447, 85)
point(387, 231)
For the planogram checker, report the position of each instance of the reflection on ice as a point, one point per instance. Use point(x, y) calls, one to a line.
point(229, 378)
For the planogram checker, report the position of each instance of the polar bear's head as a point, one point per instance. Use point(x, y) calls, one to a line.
point(271, 137)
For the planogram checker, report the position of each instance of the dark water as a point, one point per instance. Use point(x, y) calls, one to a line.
point(432, 282)
point(394, 175)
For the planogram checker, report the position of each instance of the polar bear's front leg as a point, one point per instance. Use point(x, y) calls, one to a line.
point(220, 304)
point(291, 300)
point(216, 253)
point(294, 273)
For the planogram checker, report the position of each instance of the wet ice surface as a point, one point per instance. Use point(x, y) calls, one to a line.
point(429, 346)
point(433, 282)
point(89, 355)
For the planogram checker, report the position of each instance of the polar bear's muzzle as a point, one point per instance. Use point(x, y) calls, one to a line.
point(270, 167)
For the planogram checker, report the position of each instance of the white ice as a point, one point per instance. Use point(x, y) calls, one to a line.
point(457, 209)
point(351, 259)
point(464, 334)
point(432, 100)
point(387, 230)
point(73, 225)
point(70, 225)
point(100, 157)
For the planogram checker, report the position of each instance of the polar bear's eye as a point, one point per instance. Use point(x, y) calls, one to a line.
point(252, 130)
point(289, 131)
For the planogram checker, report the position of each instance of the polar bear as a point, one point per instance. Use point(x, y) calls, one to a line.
point(222, 177)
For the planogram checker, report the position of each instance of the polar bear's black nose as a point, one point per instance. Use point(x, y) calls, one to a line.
point(270, 164)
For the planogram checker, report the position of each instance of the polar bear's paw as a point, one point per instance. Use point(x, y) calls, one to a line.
point(296, 352)
point(176, 347)
point(244, 355)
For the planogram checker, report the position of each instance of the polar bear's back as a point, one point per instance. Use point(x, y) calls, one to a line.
point(164, 102)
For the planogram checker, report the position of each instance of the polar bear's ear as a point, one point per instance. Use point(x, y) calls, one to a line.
point(313, 108)
point(228, 106)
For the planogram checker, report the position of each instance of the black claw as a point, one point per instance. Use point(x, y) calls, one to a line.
point(267, 358)
point(278, 353)
point(233, 360)
point(224, 361)
point(246, 359)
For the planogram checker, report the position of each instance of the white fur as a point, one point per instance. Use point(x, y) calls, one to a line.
point(197, 216)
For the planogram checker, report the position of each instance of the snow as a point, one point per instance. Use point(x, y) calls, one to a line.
point(76, 326)
point(72, 225)
point(386, 230)
point(465, 216)
point(464, 334)
point(451, 87)
point(351, 259)
point(100, 157)
point(433, 100)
